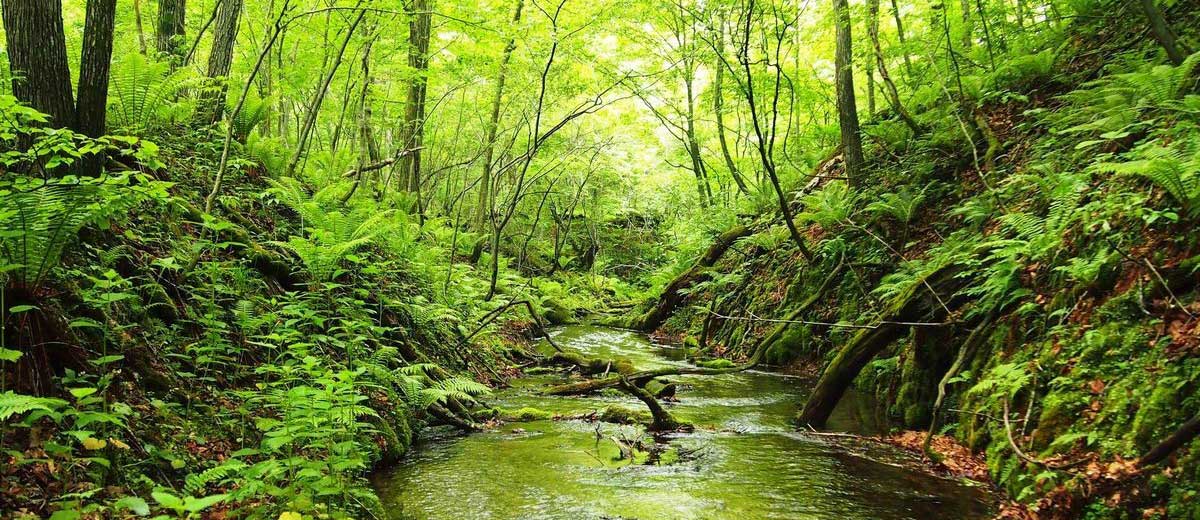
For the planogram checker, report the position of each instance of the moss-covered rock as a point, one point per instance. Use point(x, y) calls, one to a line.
point(526, 414)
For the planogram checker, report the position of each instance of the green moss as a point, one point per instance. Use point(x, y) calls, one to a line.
point(716, 363)
point(621, 415)
point(526, 414)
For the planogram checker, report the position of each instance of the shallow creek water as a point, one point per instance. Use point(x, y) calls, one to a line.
point(744, 461)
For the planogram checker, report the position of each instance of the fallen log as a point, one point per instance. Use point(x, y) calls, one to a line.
point(840, 373)
point(673, 295)
point(760, 348)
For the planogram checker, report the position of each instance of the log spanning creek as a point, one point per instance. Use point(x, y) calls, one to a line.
point(744, 460)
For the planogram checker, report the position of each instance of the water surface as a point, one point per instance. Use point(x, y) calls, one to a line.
point(744, 461)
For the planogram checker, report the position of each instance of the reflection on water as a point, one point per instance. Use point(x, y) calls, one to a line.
point(746, 461)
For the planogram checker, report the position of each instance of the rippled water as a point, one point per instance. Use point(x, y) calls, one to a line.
point(745, 460)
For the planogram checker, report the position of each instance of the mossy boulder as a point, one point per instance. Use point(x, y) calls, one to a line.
point(617, 414)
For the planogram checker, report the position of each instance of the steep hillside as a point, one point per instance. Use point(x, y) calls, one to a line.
point(1021, 273)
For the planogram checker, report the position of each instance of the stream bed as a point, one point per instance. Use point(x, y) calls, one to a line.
point(745, 460)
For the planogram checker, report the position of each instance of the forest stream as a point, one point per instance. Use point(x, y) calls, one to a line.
point(745, 458)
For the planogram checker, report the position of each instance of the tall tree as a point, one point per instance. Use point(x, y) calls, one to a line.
point(413, 128)
point(893, 96)
point(872, 28)
point(37, 53)
point(171, 26)
point(847, 111)
point(1162, 32)
point(901, 37)
point(220, 58)
point(95, 60)
point(485, 178)
point(719, 104)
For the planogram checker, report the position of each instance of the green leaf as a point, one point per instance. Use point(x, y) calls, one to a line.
point(80, 393)
point(7, 354)
point(167, 500)
point(135, 505)
point(17, 309)
point(199, 504)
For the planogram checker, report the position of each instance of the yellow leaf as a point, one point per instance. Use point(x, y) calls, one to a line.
point(290, 515)
point(118, 444)
point(93, 443)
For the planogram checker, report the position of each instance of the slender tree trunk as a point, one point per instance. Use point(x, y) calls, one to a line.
point(968, 24)
point(693, 145)
point(847, 111)
point(413, 129)
point(1162, 31)
point(892, 94)
point(872, 28)
point(277, 30)
point(141, 32)
point(485, 179)
point(764, 142)
point(719, 109)
point(220, 58)
point(168, 38)
point(37, 54)
point(310, 120)
point(900, 36)
point(95, 60)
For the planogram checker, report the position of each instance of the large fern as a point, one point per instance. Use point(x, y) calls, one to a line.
point(39, 219)
point(144, 94)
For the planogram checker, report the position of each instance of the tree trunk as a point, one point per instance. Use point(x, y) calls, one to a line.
point(1162, 31)
point(892, 94)
point(840, 373)
point(968, 24)
point(220, 58)
point(693, 145)
point(872, 28)
point(37, 53)
point(137, 20)
point(413, 129)
point(485, 179)
point(169, 35)
point(719, 109)
point(900, 36)
point(847, 111)
point(95, 60)
point(673, 295)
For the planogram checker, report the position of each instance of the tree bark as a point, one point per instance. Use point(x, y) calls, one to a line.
point(37, 53)
point(847, 111)
point(95, 61)
point(220, 58)
point(840, 372)
point(719, 108)
point(1162, 31)
point(413, 130)
point(141, 32)
point(170, 31)
point(872, 28)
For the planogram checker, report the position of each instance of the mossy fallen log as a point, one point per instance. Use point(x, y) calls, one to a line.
point(673, 295)
point(919, 304)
